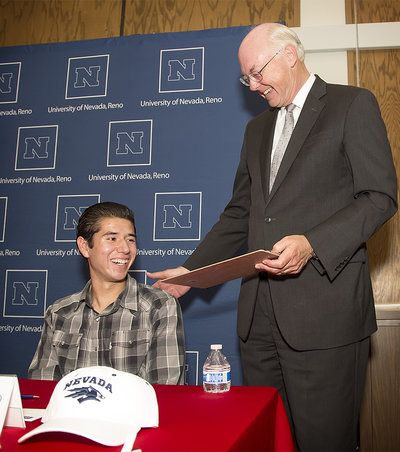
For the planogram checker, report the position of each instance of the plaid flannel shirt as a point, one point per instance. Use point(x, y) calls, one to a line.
point(141, 333)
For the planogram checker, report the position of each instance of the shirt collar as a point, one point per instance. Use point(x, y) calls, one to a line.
point(301, 96)
point(128, 298)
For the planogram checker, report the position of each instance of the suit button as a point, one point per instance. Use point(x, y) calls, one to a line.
point(268, 219)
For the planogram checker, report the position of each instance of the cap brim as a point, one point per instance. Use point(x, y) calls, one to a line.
point(109, 434)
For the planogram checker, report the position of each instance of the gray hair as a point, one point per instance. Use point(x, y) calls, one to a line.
point(280, 34)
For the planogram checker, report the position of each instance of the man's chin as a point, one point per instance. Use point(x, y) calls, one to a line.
point(119, 277)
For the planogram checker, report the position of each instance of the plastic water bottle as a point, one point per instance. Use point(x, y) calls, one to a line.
point(216, 371)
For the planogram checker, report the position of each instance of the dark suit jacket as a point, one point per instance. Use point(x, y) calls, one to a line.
point(337, 186)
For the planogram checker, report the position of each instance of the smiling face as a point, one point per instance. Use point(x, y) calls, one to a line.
point(112, 252)
point(279, 83)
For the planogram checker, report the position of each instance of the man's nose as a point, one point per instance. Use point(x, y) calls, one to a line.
point(253, 85)
point(123, 247)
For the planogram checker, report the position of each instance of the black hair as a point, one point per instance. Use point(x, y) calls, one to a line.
point(89, 221)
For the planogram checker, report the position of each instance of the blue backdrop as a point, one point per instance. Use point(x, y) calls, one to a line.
point(151, 121)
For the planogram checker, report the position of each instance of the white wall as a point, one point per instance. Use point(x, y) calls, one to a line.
point(331, 66)
point(326, 37)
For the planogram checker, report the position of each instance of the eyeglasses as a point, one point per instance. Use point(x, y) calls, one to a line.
point(256, 76)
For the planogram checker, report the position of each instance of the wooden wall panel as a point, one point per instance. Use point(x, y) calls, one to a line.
point(372, 11)
point(379, 71)
point(385, 376)
point(380, 413)
point(41, 21)
point(159, 16)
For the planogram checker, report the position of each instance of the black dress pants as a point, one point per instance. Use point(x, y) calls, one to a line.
point(321, 389)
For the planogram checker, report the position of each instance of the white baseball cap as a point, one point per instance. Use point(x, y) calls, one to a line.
point(100, 403)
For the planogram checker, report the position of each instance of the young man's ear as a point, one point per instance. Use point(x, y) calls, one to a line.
point(83, 246)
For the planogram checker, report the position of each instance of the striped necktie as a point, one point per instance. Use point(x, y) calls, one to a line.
point(282, 143)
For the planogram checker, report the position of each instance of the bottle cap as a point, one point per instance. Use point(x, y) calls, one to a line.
point(216, 347)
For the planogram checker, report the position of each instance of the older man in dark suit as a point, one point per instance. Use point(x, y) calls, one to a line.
point(305, 320)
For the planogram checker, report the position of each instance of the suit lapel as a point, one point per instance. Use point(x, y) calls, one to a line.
point(308, 116)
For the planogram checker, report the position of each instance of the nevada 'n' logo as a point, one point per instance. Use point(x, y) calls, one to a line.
point(129, 142)
point(25, 293)
point(9, 82)
point(177, 216)
point(181, 70)
point(36, 148)
point(69, 209)
point(87, 77)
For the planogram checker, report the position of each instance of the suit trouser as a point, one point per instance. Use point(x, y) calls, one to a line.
point(321, 389)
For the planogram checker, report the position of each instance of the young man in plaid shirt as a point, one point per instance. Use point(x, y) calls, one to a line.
point(114, 321)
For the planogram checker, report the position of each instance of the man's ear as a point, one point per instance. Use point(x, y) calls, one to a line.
point(291, 54)
point(83, 246)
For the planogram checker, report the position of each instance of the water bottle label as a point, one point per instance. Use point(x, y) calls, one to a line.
point(217, 377)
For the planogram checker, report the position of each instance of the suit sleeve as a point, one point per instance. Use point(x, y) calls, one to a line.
point(374, 201)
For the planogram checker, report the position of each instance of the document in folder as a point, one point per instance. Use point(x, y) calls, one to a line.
point(220, 272)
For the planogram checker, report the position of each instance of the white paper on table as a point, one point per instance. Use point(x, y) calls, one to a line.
point(11, 412)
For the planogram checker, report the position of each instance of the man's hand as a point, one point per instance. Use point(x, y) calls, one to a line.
point(174, 289)
point(294, 252)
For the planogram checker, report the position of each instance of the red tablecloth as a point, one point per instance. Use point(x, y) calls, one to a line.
point(244, 419)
